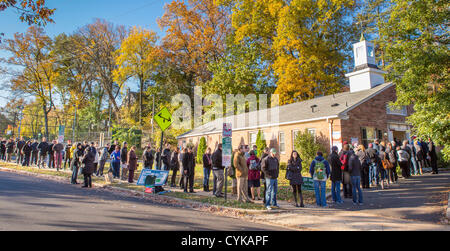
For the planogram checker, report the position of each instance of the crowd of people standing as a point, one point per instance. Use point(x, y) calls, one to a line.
point(354, 166)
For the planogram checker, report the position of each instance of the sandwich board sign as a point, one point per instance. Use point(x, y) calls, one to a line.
point(152, 178)
point(163, 118)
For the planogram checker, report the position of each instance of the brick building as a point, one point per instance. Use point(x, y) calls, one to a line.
point(360, 115)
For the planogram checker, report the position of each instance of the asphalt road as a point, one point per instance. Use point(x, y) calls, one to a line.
point(31, 203)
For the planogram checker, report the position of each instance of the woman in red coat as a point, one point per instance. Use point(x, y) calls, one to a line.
point(254, 175)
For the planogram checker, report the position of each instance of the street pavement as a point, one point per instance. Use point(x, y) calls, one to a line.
point(32, 203)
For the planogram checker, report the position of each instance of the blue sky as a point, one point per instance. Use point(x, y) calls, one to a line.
point(72, 14)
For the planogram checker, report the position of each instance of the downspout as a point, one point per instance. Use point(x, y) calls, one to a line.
point(330, 123)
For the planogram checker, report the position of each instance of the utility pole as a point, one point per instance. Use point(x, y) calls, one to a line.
point(20, 107)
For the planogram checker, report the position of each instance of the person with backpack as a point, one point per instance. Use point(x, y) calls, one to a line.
point(354, 167)
point(320, 171)
point(207, 165)
point(294, 175)
point(346, 180)
point(254, 175)
point(403, 159)
point(336, 175)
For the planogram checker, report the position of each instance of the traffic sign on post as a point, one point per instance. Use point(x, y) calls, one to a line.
point(163, 118)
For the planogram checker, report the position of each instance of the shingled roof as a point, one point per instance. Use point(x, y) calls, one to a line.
point(331, 106)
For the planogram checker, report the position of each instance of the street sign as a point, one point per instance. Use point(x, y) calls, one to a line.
point(226, 144)
point(158, 178)
point(163, 118)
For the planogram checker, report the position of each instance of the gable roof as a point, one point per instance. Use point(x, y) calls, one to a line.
point(331, 106)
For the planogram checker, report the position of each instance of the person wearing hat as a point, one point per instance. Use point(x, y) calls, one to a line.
point(271, 169)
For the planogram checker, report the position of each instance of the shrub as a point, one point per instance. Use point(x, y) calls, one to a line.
point(307, 146)
point(201, 149)
point(260, 143)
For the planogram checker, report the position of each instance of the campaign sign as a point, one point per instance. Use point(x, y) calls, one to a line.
point(226, 145)
point(308, 184)
point(157, 178)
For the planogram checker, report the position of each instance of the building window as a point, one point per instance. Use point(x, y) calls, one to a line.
point(282, 144)
point(368, 135)
point(252, 139)
point(294, 135)
point(396, 111)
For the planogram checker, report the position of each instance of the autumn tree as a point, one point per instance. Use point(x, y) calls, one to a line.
point(195, 37)
point(36, 77)
point(100, 41)
point(304, 43)
point(30, 11)
point(138, 58)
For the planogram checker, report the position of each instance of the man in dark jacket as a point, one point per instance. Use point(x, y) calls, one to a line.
point(43, 148)
point(88, 165)
point(218, 176)
point(207, 166)
point(189, 170)
point(123, 161)
point(148, 157)
point(433, 156)
point(19, 146)
point(174, 165)
point(372, 153)
point(336, 175)
point(3, 149)
point(26, 151)
point(165, 158)
point(35, 152)
point(271, 168)
point(51, 160)
point(354, 167)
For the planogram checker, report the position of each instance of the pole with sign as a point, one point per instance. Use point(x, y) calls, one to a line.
point(226, 151)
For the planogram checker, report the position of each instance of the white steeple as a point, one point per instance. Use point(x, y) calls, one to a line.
point(366, 74)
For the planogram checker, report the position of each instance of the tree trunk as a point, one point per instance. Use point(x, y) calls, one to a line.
point(44, 108)
point(141, 88)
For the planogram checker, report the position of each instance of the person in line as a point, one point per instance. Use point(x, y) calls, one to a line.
point(43, 148)
point(158, 159)
point(180, 161)
point(354, 167)
point(294, 175)
point(88, 165)
point(104, 154)
point(406, 148)
point(57, 154)
point(395, 163)
point(115, 162)
point(254, 175)
point(271, 169)
point(344, 156)
point(218, 175)
point(123, 161)
point(336, 175)
point(34, 152)
point(26, 150)
point(19, 146)
point(3, 149)
point(263, 178)
point(50, 153)
point(403, 159)
point(112, 147)
point(132, 163)
point(414, 165)
point(148, 158)
point(68, 153)
point(189, 171)
point(432, 156)
point(367, 168)
point(76, 162)
point(207, 166)
point(320, 172)
point(419, 156)
point(426, 150)
point(240, 163)
point(165, 158)
point(97, 157)
point(174, 165)
point(384, 167)
point(373, 161)
point(9, 149)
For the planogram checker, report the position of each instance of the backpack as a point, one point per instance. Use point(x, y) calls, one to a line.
point(254, 165)
point(344, 160)
point(320, 170)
